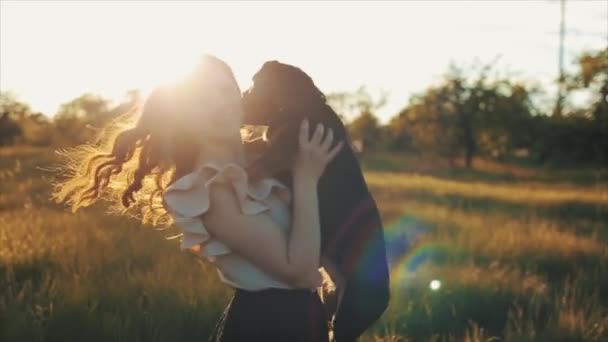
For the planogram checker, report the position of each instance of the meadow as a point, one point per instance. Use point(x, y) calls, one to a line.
point(521, 254)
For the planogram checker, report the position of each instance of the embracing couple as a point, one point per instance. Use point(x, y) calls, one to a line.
point(288, 221)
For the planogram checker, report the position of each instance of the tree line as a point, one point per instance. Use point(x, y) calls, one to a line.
point(469, 113)
point(476, 112)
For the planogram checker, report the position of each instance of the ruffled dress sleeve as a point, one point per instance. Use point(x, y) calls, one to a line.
point(187, 200)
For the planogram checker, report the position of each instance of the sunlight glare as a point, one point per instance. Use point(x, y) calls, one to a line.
point(172, 68)
point(251, 133)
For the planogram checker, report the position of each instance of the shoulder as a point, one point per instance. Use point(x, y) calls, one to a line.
point(225, 190)
point(223, 200)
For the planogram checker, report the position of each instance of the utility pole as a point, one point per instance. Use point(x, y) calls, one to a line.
point(560, 87)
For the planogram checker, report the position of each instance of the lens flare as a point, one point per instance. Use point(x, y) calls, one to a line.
point(407, 249)
point(435, 285)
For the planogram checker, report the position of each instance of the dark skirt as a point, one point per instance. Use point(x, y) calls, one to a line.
point(273, 315)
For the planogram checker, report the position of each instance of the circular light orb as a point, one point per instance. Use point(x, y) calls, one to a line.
point(435, 285)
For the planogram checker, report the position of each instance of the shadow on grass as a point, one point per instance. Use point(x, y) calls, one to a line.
point(432, 168)
point(485, 170)
point(39, 302)
point(457, 310)
point(564, 212)
point(167, 319)
point(425, 314)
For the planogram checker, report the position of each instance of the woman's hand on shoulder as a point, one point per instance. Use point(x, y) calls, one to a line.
point(315, 152)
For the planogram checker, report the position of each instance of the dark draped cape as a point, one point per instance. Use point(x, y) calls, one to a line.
point(352, 238)
point(352, 235)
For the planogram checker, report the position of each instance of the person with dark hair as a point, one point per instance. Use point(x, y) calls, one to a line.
point(352, 236)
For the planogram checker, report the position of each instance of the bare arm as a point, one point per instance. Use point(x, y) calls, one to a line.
point(258, 239)
point(305, 236)
point(295, 258)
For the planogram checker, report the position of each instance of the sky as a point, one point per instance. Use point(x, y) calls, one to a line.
point(52, 51)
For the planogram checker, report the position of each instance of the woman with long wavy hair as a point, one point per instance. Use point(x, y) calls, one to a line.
point(182, 161)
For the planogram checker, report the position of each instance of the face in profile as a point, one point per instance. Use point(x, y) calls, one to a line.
point(258, 107)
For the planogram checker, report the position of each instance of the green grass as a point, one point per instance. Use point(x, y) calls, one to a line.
point(521, 254)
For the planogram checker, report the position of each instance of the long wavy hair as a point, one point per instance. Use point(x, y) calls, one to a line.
point(142, 152)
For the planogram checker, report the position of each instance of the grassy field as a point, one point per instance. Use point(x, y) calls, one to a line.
point(521, 255)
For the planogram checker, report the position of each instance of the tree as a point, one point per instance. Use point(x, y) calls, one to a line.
point(9, 129)
point(18, 124)
point(37, 130)
point(12, 112)
point(592, 77)
point(353, 104)
point(398, 133)
point(361, 106)
point(78, 120)
point(366, 129)
point(429, 120)
point(466, 116)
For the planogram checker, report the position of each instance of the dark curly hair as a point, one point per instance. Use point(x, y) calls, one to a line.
point(280, 98)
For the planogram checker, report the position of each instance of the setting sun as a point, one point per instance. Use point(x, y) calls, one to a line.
point(398, 47)
point(304, 170)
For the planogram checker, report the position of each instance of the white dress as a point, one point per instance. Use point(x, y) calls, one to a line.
point(187, 199)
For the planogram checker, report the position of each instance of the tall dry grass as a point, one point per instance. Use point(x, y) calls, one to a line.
point(519, 257)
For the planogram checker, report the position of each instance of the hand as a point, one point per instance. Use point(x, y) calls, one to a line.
point(315, 152)
point(328, 294)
